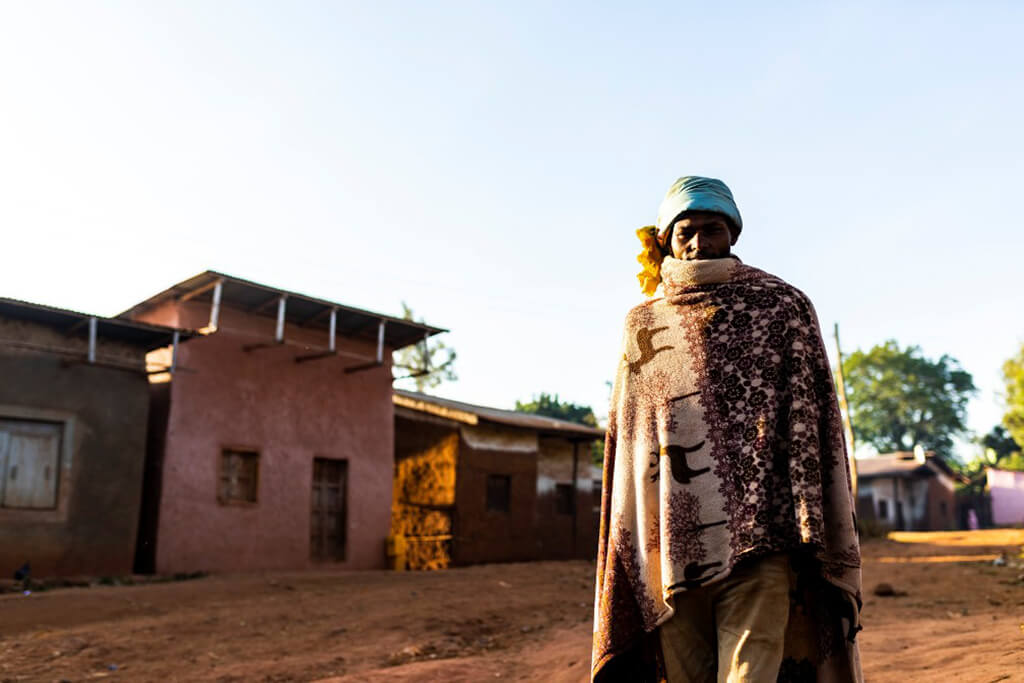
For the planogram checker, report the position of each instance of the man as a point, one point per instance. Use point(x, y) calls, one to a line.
point(728, 545)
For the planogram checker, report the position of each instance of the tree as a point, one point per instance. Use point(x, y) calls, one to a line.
point(1002, 450)
point(551, 406)
point(1013, 375)
point(428, 362)
point(548, 404)
point(898, 398)
point(999, 445)
point(998, 449)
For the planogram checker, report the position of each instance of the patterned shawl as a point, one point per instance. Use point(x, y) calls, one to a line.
point(724, 442)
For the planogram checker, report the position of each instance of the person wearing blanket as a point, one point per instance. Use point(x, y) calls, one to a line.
point(728, 545)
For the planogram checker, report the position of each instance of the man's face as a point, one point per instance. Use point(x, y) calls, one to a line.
point(701, 235)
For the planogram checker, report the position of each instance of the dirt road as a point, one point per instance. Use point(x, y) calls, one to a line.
point(962, 619)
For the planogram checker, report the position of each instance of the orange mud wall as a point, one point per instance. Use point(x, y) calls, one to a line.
point(424, 491)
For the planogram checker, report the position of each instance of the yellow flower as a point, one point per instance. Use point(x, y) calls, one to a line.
point(650, 258)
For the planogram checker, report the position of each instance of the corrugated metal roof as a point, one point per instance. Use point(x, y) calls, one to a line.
point(143, 334)
point(303, 310)
point(461, 412)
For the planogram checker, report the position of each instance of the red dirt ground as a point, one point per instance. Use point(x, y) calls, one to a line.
point(962, 619)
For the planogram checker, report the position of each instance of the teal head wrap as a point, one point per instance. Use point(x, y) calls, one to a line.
point(694, 193)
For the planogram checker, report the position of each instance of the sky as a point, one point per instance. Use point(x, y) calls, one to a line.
point(488, 164)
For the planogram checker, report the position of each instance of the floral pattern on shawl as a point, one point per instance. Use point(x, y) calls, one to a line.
point(724, 442)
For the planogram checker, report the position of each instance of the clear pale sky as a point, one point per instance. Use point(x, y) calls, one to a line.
point(488, 163)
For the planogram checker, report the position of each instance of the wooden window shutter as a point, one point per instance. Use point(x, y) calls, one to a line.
point(29, 464)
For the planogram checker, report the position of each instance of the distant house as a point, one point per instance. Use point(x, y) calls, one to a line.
point(909, 491)
point(1006, 491)
point(272, 445)
point(74, 401)
point(477, 484)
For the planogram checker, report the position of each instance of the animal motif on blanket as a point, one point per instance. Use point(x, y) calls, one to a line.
point(724, 443)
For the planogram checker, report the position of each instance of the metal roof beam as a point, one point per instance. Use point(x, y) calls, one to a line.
point(93, 325)
point(380, 341)
point(265, 304)
point(77, 326)
point(200, 290)
point(218, 292)
point(380, 352)
point(332, 339)
point(317, 316)
point(282, 303)
point(332, 342)
point(174, 351)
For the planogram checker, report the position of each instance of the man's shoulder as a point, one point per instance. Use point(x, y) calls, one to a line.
point(762, 278)
point(643, 313)
point(640, 314)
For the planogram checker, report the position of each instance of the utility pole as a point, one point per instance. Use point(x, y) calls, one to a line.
point(845, 411)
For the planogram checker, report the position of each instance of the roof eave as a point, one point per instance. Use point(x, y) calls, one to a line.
point(199, 284)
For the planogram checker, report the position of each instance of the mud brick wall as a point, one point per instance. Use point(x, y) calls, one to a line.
point(484, 535)
point(102, 413)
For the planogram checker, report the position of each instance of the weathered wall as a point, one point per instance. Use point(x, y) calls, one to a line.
point(561, 535)
point(26, 337)
point(555, 531)
point(588, 506)
point(922, 500)
point(225, 396)
point(941, 504)
point(891, 490)
point(916, 503)
point(484, 535)
point(103, 410)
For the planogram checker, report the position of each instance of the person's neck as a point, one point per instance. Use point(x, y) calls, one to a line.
point(680, 274)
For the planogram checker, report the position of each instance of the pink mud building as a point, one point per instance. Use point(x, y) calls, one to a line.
point(271, 442)
point(1006, 489)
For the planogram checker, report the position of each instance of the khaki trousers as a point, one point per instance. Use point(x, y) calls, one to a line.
point(731, 631)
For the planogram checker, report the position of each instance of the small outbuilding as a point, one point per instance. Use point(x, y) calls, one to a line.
point(1006, 492)
point(907, 490)
point(476, 484)
point(74, 404)
point(272, 441)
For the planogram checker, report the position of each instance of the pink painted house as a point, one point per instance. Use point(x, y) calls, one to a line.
point(1006, 489)
point(271, 444)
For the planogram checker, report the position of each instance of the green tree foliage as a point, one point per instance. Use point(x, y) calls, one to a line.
point(1013, 375)
point(428, 362)
point(1002, 450)
point(998, 449)
point(999, 445)
point(551, 406)
point(898, 398)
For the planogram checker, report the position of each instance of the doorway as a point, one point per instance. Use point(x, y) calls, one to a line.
point(328, 518)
